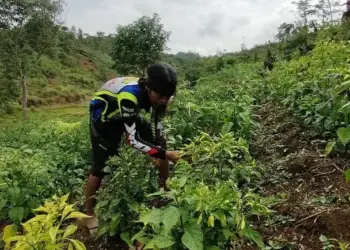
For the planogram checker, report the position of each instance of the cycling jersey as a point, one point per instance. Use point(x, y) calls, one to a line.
point(120, 100)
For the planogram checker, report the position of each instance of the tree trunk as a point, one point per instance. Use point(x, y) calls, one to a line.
point(24, 97)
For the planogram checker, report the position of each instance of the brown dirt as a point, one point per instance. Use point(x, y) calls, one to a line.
point(87, 64)
point(62, 99)
point(102, 243)
point(295, 164)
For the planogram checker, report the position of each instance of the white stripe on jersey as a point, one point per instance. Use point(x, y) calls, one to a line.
point(116, 84)
point(133, 142)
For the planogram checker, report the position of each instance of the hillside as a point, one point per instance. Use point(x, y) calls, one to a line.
point(67, 73)
point(70, 79)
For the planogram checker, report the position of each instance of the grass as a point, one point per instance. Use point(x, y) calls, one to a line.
point(67, 113)
point(60, 82)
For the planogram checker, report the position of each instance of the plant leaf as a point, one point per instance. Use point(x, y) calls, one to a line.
point(78, 244)
point(134, 206)
point(345, 109)
point(115, 222)
point(9, 231)
point(69, 230)
point(41, 209)
point(2, 203)
point(344, 135)
point(323, 238)
point(193, 237)
point(344, 86)
point(126, 237)
point(16, 214)
point(63, 199)
point(70, 246)
point(227, 233)
point(347, 175)
point(226, 128)
point(40, 217)
point(162, 242)
point(53, 233)
point(171, 216)
point(68, 209)
point(329, 147)
point(254, 236)
point(155, 217)
point(220, 215)
point(77, 215)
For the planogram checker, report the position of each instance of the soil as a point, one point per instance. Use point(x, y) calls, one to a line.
point(103, 243)
point(317, 200)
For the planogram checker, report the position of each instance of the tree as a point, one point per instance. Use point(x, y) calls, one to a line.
point(305, 10)
point(284, 31)
point(28, 32)
point(139, 44)
point(73, 30)
point(326, 10)
point(80, 34)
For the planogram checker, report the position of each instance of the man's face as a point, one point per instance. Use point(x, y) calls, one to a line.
point(157, 99)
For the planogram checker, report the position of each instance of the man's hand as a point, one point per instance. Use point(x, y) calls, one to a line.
point(173, 156)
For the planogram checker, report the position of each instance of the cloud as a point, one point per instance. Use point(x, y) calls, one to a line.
point(203, 26)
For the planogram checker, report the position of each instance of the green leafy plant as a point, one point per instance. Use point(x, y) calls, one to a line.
point(327, 243)
point(222, 157)
point(201, 217)
point(48, 229)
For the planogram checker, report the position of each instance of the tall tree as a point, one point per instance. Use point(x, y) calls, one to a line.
point(80, 34)
point(73, 30)
point(28, 31)
point(139, 44)
point(284, 31)
point(305, 10)
point(326, 10)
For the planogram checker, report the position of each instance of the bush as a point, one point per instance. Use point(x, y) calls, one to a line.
point(49, 68)
point(80, 80)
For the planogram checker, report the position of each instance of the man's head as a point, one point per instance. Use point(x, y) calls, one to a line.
point(161, 83)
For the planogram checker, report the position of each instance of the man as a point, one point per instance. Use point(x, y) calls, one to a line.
point(114, 110)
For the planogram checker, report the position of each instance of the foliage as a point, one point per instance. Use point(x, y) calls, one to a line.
point(327, 243)
point(131, 178)
point(48, 229)
point(200, 216)
point(316, 86)
point(30, 31)
point(139, 44)
point(35, 165)
point(204, 208)
point(222, 158)
point(50, 55)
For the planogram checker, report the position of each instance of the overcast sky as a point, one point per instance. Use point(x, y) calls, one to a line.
point(203, 26)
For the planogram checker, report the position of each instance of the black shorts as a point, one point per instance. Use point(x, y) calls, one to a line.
point(106, 138)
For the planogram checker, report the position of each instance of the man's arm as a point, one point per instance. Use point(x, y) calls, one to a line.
point(128, 111)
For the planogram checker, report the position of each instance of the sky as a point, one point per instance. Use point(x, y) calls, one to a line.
point(202, 26)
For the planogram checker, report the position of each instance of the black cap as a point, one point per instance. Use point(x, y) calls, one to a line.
point(161, 77)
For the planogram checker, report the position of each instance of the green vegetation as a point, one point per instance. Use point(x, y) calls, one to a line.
point(222, 196)
point(131, 53)
point(48, 229)
point(44, 63)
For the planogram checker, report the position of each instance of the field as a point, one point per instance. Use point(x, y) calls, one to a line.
point(265, 164)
